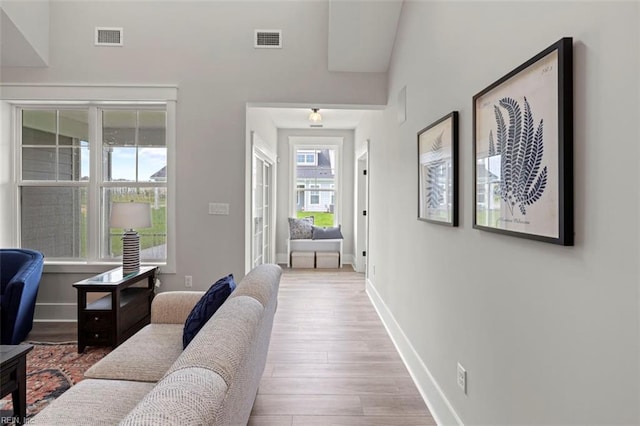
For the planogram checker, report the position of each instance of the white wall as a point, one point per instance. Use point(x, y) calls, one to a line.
point(346, 183)
point(548, 334)
point(206, 49)
point(31, 20)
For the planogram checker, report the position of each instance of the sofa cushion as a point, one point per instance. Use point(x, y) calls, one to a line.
point(300, 229)
point(327, 233)
point(191, 396)
point(145, 357)
point(260, 283)
point(207, 306)
point(93, 402)
point(222, 343)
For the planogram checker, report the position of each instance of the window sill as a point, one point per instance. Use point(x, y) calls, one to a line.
point(59, 267)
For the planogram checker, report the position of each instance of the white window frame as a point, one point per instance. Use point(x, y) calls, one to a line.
point(311, 143)
point(17, 96)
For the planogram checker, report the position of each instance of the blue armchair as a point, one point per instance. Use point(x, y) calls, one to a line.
point(20, 272)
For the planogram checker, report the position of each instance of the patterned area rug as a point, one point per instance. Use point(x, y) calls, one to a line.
point(52, 368)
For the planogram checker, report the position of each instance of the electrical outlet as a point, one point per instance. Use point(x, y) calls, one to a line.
point(188, 281)
point(462, 378)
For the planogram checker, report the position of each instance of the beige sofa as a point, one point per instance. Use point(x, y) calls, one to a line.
point(150, 380)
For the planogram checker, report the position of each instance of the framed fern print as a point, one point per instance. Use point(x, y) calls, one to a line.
point(523, 145)
point(438, 171)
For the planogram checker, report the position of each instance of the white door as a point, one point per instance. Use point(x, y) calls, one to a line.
point(262, 194)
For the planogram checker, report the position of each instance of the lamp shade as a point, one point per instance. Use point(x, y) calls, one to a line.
point(315, 115)
point(130, 215)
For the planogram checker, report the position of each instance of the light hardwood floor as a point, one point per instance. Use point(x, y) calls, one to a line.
point(331, 361)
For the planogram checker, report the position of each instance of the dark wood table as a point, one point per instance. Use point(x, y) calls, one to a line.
point(114, 318)
point(13, 379)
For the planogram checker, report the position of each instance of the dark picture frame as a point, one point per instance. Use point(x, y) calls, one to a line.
point(523, 150)
point(438, 171)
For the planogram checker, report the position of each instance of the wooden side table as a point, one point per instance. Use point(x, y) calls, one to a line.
point(13, 379)
point(114, 318)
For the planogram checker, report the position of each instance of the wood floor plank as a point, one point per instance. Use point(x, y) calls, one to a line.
point(337, 386)
point(363, 421)
point(340, 370)
point(397, 405)
point(270, 421)
point(292, 344)
point(363, 357)
point(313, 405)
point(286, 357)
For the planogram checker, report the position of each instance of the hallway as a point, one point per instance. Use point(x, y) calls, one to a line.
point(331, 361)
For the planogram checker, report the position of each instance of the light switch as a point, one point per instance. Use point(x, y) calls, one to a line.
point(219, 208)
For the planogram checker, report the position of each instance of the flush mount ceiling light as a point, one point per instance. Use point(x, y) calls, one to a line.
point(315, 115)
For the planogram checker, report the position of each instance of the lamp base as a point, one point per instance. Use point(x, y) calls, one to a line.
point(130, 252)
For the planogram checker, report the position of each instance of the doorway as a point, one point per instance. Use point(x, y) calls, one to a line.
point(262, 207)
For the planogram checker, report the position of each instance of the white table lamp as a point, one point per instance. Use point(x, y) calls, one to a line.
point(129, 216)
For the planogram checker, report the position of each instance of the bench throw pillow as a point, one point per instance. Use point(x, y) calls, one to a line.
point(206, 307)
point(300, 229)
point(327, 233)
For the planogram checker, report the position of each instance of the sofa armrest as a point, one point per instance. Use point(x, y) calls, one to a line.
point(173, 307)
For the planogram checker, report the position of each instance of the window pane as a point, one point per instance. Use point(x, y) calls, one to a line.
point(151, 128)
point(84, 160)
point(153, 240)
point(119, 164)
point(152, 164)
point(69, 164)
point(315, 183)
point(119, 128)
point(54, 220)
point(73, 127)
point(39, 127)
point(319, 218)
point(39, 163)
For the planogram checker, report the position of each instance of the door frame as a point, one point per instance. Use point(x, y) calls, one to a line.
point(362, 204)
point(259, 150)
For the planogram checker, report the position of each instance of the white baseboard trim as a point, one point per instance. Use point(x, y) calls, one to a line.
point(438, 404)
point(281, 258)
point(56, 312)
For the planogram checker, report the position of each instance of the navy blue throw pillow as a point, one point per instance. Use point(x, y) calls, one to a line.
point(206, 307)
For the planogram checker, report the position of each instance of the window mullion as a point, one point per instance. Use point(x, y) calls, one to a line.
point(95, 174)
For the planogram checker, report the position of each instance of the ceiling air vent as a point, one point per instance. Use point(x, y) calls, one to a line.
point(316, 125)
point(108, 36)
point(268, 39)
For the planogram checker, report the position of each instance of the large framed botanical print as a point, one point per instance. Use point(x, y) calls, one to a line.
point(523, 149)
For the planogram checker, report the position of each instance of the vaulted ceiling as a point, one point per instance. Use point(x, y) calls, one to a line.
point(361, 34)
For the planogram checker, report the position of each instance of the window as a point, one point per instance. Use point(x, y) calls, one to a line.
point(315, 184)
point(314, 196)
point(73, 161)
point(306, 158)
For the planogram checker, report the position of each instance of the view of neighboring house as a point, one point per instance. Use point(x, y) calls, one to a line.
point(315, 180)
